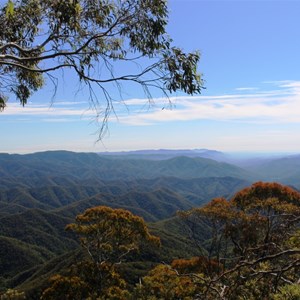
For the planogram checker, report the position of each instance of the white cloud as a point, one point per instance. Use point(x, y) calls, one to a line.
point(281, 105)
point(246, 89)
point(277, 105)
point(15, 109)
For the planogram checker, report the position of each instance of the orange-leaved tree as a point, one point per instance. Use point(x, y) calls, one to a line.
point(253, 241)
point(163, 282)
point(107, 235)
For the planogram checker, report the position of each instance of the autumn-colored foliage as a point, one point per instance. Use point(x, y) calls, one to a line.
point(72, 288)
point(12, 294)
point(265, 190)
point(107, 235)
point(200, 264)
point(253, 251)
point(110, 234)
point(164, 282)
point(253, 236)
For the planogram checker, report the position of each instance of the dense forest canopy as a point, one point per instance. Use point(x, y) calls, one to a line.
point(252, 251)
point(247, 246)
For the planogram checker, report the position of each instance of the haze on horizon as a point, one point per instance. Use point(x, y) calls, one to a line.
point(251, 103)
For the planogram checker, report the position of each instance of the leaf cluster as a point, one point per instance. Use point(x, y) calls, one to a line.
point(253, 240)
point(94, 39)
point(109, 234)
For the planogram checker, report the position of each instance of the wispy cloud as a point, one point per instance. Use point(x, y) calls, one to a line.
point(40, 110)
point(58, 120)
point(279, 104)
point(246, 89)
point(276, 105)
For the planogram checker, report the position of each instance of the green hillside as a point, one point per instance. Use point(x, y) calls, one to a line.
point(152, 206)
point(41, 193)
point(284, 170)
point(17, 256)
point(32, 238)
point(35, 168)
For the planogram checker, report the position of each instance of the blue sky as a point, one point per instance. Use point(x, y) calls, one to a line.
point(250, 60)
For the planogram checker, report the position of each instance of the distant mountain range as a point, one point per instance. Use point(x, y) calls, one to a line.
point(163, 154)
point(42, 192)
point(65, 168)
point(36, 169)
point(283, 168)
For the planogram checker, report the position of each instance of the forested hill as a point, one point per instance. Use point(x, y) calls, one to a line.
point(41, 193)
point(284, 169)
point(163, 154)
point(57, 179)
point(69, 165)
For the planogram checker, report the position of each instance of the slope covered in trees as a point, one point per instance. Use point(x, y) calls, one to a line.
point(42, 192)
point(245, 247)
point(284, 169)
point(90, 166)
point(38, 202)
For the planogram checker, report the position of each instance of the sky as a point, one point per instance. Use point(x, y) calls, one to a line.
point(250, 61)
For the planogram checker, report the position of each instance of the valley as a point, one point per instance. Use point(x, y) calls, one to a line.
point(43, 192)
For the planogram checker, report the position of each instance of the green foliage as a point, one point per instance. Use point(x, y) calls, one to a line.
point(39, 37)
point(47, 166)
point(9, 9)
point(175, 241)
point(17, 256)
point(254, 250)
point(254, 240)
point(36, 227)
point(288, 292)
point(244, 248)
point(42, 192)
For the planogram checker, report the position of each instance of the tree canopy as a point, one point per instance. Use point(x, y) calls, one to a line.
point(249, 249)
point(103, 42)
point(107, 236)
point(252, 253)
point(254, 242)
